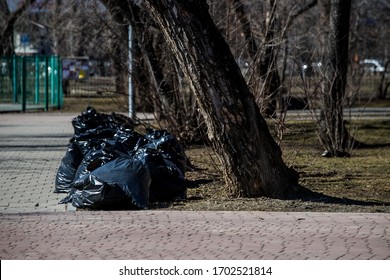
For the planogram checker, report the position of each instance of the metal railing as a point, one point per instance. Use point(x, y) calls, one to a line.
point(30, 83)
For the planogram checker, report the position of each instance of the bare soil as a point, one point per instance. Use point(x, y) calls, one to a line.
point(359, 183)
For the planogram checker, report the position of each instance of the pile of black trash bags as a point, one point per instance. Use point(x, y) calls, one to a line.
point(109, 166)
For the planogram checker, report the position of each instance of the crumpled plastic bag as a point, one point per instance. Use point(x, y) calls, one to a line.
point(119, 184)
point(110, 166)
point(68, 168)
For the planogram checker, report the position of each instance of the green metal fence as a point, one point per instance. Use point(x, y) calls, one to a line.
point(30, 82)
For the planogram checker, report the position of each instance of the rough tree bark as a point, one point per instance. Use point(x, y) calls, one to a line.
point(333, 134)
point(251, 160)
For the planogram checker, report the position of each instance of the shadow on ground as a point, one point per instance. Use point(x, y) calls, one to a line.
point(306, 195)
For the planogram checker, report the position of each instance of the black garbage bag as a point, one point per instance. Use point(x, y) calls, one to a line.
point(121, 121)
point(167, 179)
point(128, 141)
point(167, 183)
point(110, 166)
point(94, 159)
point(92, 143)
point(168, 146)
point(68, 168)
point(120, 184)
point(98, 152)
point(90, 119)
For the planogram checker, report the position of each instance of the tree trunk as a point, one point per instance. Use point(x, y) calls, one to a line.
point(383, 85)
point(252, 161)
point(332, 131)
point(268, 92)
point(268, 65)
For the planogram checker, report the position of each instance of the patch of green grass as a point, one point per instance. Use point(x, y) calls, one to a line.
point(364, 177)
point(373, 103)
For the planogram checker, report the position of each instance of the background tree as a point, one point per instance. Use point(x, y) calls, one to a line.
point(370, 39)
point(85, 28)
point(7, 23)
point(333, 133)
point(160, 82)
point(264, 80)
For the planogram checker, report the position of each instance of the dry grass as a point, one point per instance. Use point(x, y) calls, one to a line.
point(103, 105)
point(360, 183)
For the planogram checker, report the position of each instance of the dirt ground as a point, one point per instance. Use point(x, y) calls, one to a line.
point(359, 183)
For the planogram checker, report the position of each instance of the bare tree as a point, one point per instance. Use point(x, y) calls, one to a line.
point(264, 79)
point(333, 133)
point(384, 84)
point(159, 81)
point(252, 161)
point(7, 23)
point(119, 45)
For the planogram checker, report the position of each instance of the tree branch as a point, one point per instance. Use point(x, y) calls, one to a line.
point(7, 30)
point(302, 10)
